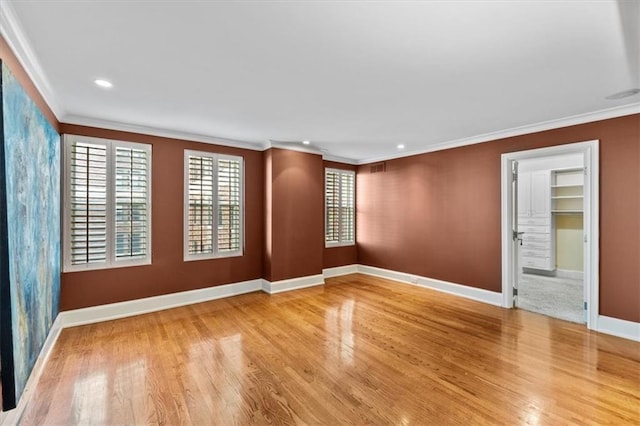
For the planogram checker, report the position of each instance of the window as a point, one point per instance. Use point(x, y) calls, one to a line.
point(213, 205)
point(107, 205)
point(339, 222)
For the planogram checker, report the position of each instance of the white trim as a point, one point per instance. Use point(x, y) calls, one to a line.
point(591, 224)
point(130, 308)
point(506, 230)
point(619, 111)
point(617, 327)
point(292, 284)
point(81, 120)
point(473, 293)
point(591, 220)
point(339, 244)
point(565, 273)
point(337, 159)
point(18, 42)
point(12, 417)
point(309, 149)
point(292, 146)
point(338, 271)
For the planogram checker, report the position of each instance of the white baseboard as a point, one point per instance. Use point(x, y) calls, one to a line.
point(339, 271)
point(129, 308)
point(617, 327)
point(292, 284)
point(12, 417)
point(565, 273)
point(477, 294)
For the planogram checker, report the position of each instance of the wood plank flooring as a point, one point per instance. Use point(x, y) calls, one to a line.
point(359, 350)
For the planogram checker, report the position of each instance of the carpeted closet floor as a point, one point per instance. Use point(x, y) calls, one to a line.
point(557, 297)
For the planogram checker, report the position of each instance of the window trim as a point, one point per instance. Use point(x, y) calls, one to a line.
point(332, 244)
point(215, 254)
point(111, 261)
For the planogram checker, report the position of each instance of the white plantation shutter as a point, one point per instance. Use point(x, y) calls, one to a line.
point(200, 227)
point(347, 207)
point(332, 201)
point(87, 197)
point(339, 207)
point(107, 203)
point(229, 204)
point(213, 205)
point(131, 202)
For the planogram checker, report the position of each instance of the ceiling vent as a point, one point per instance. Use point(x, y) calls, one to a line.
point(378, 167)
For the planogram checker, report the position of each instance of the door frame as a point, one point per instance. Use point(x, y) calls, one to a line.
point(590, 150)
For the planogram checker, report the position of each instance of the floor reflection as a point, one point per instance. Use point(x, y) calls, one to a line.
point(218, 386)
point(339, 323)
point(89, 403)
point(422, 357)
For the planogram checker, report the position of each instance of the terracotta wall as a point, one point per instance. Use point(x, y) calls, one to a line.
point(294, 212)
point(169, 273)
point(438, 214)
point(339, 256)
point(268, 214)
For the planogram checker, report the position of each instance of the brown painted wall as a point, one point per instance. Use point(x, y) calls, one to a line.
point(438, 214)
point(268, 214)
point(297, 220)
point(444, 220)
point(9, 58)
point(168, 273)
point(339, 256)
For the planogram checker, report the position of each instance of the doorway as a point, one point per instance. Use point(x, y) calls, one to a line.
point(550, 262)
point(550, 231)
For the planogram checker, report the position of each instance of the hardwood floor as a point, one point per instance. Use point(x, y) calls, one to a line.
point(360, 350)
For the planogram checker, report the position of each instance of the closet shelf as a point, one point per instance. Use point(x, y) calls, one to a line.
point(568, 186)
point(567, 197)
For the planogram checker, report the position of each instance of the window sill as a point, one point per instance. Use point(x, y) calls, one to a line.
point(196, 257)
point(335, 245)
point(102, 266)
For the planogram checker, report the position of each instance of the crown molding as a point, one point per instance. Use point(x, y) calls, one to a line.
point(619, 111)
point(292, 146)
point(18, 42)
point(310, 149)
point(155, 131)
point(337, 159)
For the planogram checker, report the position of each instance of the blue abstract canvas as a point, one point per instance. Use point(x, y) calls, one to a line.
point(32, 231)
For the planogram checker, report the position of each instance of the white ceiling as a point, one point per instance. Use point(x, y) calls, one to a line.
point(356, 78)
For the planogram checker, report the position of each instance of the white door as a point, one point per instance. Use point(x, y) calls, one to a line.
point(541, 194)
point(524, 195)
point(516, 187)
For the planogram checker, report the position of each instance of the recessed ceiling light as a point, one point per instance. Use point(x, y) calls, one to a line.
point(623, 94)
point(103, 83)
point(306, 142)
point(401, 146)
